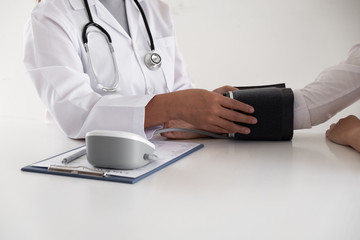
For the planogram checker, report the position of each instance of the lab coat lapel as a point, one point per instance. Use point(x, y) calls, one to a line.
point(103, 14)
point(134, 17)
point(79, 4)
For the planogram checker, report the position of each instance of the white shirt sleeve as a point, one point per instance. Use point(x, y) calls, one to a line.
point(334, 89)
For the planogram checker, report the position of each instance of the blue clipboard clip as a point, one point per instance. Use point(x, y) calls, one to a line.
point(77, 170)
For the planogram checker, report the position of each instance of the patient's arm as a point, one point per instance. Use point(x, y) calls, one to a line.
point(333, 90)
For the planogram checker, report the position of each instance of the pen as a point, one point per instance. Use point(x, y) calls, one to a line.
point(74, 156)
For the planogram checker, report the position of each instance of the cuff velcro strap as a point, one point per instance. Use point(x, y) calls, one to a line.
point(274, 110)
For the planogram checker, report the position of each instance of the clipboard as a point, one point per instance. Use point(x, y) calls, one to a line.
point(168, 152)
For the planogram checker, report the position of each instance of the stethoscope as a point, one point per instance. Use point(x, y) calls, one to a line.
point(152, 59)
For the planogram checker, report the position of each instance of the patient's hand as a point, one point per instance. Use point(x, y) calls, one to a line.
point(346, 132)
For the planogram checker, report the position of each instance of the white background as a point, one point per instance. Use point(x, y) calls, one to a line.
point(235, 42)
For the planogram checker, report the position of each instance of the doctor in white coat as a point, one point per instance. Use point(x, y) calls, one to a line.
point(143, 99)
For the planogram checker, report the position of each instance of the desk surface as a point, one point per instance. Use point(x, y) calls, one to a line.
point(308, 188)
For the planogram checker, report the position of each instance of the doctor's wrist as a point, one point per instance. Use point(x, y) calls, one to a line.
point(159, 109)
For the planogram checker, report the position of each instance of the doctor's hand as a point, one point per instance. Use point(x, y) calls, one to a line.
point(212, 112)
point(183, 124)
point(205, 110)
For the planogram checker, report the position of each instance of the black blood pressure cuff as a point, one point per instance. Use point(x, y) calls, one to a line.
point(274, 110)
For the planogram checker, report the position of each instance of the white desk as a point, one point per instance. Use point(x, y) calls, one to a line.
point(305, 189)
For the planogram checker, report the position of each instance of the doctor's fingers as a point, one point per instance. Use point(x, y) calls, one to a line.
point(221, 118)
point(224, 89)
point(221, 125)
point(235, 116)
point(236, 105)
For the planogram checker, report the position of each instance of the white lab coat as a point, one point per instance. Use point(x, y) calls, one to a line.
point(57, 64)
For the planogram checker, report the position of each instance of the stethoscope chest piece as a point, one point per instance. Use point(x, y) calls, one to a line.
point(153, 60)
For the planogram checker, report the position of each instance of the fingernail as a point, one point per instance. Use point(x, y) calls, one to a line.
point(247, 131)
point(254, 121)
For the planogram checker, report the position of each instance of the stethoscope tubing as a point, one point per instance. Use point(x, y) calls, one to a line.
point(93, 24)
point(152, 59)
point(152, 46)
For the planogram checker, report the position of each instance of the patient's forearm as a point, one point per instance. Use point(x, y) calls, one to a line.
point(333, 90)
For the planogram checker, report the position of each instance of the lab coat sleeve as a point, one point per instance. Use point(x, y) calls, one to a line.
point(334, 89)
point(52, 59)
